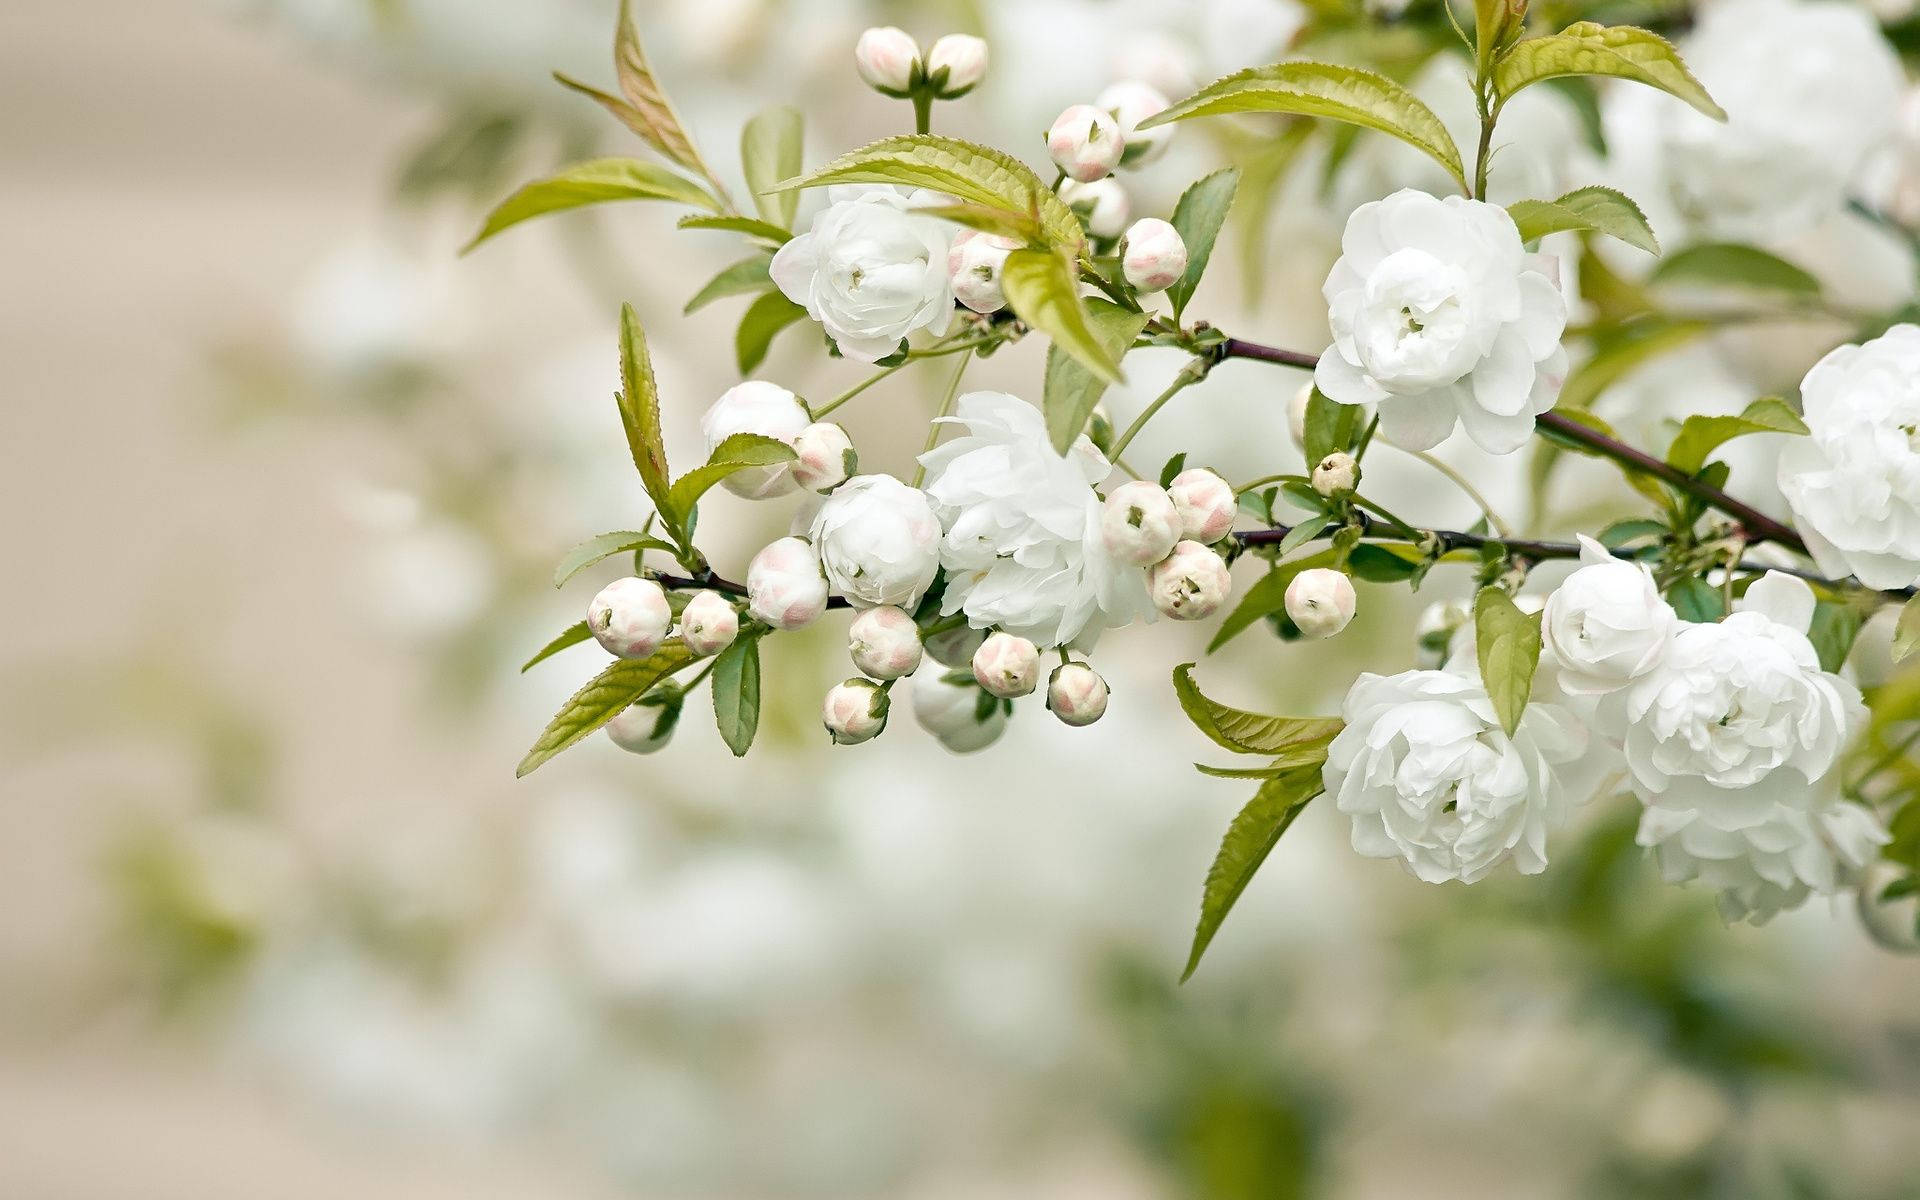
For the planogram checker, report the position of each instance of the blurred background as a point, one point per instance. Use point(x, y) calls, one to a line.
point(284, 480)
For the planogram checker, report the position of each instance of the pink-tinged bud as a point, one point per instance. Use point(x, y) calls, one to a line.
point(1336, 475)
point(1155, 256)
point(1191, 584)
point(1321, 602)
point(630, 617)
point(823, 457)
point(709, 623)
point(785, 586)
point(1076, 694)
point(854, 711)
point(964, 59)
point(887, 58)
point(1132, 102)
point(974, 264)
point(1102, 204)
point(1206, 504)
point(884, 643)
point(647, 724)
point(1138, 523)
point(1007, 666)
point(1086, 142)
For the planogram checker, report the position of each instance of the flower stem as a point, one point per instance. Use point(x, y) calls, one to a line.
point(1493, 518)
point(1189, 375)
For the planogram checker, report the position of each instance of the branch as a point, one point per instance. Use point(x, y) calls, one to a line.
point(726, 587)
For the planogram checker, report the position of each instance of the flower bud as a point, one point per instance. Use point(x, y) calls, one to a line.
point(823, 457)
point(954, 647)
point(974, 264)
point(1297, 414)
point(1190, 584)
point(854, 711)
point(647, 724)
point(785, 586)
point(1102, 204)
point(1320, 602)
point(884, 643)
point(1433, 632)
point(709, 623)
point(955, 711)
point(1076, 694)
point(1086, 143)
point(1138, 523)
point(1336, 475)
point(1006, 665)
point(630, 617)
point(886, 58)
point(768, 410)
point(964, 59)
point(1155, 258)
point(878, 541)
point(1206, 504)
point(1131, 102)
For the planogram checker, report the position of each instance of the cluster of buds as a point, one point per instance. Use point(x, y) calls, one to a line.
point(1171, 531)
point(890, 62)
point(1090, 141)
point(630, 618)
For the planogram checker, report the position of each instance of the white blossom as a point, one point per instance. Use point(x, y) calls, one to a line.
point(1155, 256)
point(763, 408)
point(870, 269)
point(884, 643)
point(709, 623)
point(957, 711)
point(1139, 523)
point(878, 540)
point(629, 617)
point(1190, 584)
point(1321, 602)
point(1007, 666)
point(1076, 694)
point(854, 711)
point(1440, 317)
point(1854, 484)
point(1607, 624)
point(1206, 504)
point(1085, 142)
point(823, 457)
point(1102, 204)
point(785, 586)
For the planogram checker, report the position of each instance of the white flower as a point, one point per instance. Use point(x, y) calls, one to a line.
point(1206, 505)
point(1023, 550)
point(1606, 626)
point(1102, 204)
point(1428, 775)
point(1734, 747)
point(629, 617)
point(1086, 142)
point(763, 408)
point(1138, 523)
point(785, 588)
point(1131, 102)
point(646, 725)
point(1854, 485)
point(823, 457)
point(956, 711)
point(709, 623)
point(1155, 257)
point(854, 711)
point(1190, 584)
point(974, 264)
point(1321, 602)
point(884, 643)
point(1439, 318)
point(964, 59)
point(870, 269)
point(878, 540)
point(886, 57)
point(1007, 666)
point(1076, 694)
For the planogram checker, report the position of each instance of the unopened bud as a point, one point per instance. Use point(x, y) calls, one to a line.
point(1433, 632)
point(1131, 102)
point(963, 58)
point(1206, 504)
point(630, 617)
point(647, 724)
point(974, 264)
point(1139, 524)
point(1321, 602)
point(1191, 584)
point(854, 711)
point(1086, 142)
point(886, 58)
point(884, 643)
point(1297, 414)
point(1102, 204)
point(1336, 475)
point(954, 647)
point(823, 457)
point(785, 586)
point(709, 623)
point(1006, 665)
point(954, 710)
point(1076, 694)
point(1155, 256)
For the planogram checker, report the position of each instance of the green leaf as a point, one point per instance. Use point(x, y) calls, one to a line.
point(1072, 390)
point(747, 225)
point(1245, 732)
point(744, 277)
point(1621, 353)
point(1198, 216)
point(1264, 598)
point(739, 452)
point(1330, 426)
point(1624, 533)
point(736, 693)
point(594, 182)
point(1312, 89)
point(1906, 634)
point(765, 318)
point(1729, 264)
point(1700, 436)
point(658, 123)
point(1043, 292)
point(1250, 838)
point(1834, 628)
point(605, 546)
point(1587, 48)
point(1022, 227)
point(639, 400)
point(969, 173)
point(1599, 209)
point(1696, 600)
point(573, 635)
point(1303, 533)
point(1508, 643)
point(1376, 563)
point(770, 150)
point(601, 700)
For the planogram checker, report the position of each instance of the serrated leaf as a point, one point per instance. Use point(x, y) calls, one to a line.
point(740, 452)
point(971, 174)
point(1730, 264)
point(595, 182)
point(736, 693)
point(573, 635)
point(1071, 390)
point(771, 147)
point(1020, 226)
point(1337, 93)
point(601, 700)
point(639, 399)
point(1508, 644)
point(605, 546)
point(1700, 436)
point(1251, 837)
point(1620, 51)
point(1330, 426)
point(1265, 597)
point(1042, 291)
point(747, 225)
point(1599, 209)
point(1198, 216)
point(742, 278)
point(764, 318)
point(659, 124)
point(1906, 634)
point(1245, 732)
